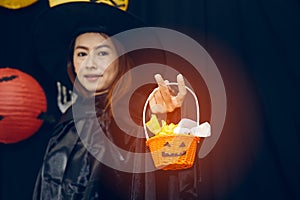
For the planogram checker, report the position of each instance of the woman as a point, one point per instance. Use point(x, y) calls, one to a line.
point(88, 154)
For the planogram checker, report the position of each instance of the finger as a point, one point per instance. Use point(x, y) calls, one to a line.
point(58, 91)
point(158, 98)
point(70, 96)
point(156, 103)
point(171, 91)
point(157, 108)
point(159, 80)
point(152, 101)
point(181, 88)
point(64, 91)
point(152, 104)
point(163, 89)
point(74, 96)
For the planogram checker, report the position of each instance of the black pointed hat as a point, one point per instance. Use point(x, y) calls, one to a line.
point(57, 26)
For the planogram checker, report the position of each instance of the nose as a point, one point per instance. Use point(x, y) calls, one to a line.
point(89, 62)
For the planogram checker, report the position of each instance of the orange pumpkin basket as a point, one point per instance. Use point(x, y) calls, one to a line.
point(175, 151)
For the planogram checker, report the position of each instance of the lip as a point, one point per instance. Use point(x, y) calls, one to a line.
point(92, 77)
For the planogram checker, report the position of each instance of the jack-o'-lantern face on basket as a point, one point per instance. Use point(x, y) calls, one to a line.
point(173, 152)
point(22, 101)
point(175, 148)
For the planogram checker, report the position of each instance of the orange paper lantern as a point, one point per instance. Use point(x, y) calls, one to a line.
point(22, 100)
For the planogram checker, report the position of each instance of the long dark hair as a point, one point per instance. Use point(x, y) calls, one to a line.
point(125, 64)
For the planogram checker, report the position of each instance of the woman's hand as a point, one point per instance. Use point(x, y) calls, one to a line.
point(163, 101)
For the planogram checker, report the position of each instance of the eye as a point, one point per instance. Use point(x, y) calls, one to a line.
point(103, 53)
point(167, 144)
point(81, 54)
point(182, 144)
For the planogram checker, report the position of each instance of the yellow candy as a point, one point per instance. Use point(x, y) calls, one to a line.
point(163, 133)
point(165, 129)
point(168, 128)
point(153, 125)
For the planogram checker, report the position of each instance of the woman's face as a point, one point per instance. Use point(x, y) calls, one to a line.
point(95, 61)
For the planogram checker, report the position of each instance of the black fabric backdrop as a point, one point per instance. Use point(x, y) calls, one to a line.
point(255, 46)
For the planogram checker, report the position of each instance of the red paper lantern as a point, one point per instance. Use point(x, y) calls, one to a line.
point(22, 100)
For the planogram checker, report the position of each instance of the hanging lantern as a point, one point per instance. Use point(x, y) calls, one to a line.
point(121, 4)
point(22, 101)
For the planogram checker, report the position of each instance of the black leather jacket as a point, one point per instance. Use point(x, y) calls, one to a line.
point(70, 170)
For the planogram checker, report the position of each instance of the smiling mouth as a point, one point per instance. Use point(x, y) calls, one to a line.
point(93, 77)
point(164, 154)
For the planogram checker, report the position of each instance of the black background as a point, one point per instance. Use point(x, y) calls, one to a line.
point(255, 46)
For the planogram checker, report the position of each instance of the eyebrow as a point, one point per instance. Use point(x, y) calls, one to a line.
point(97, 47)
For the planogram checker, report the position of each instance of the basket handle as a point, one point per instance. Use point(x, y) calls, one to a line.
point(152, 93)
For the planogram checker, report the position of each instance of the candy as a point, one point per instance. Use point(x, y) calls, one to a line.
point(185, 126)
point(153, 125)
point(157, 129)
